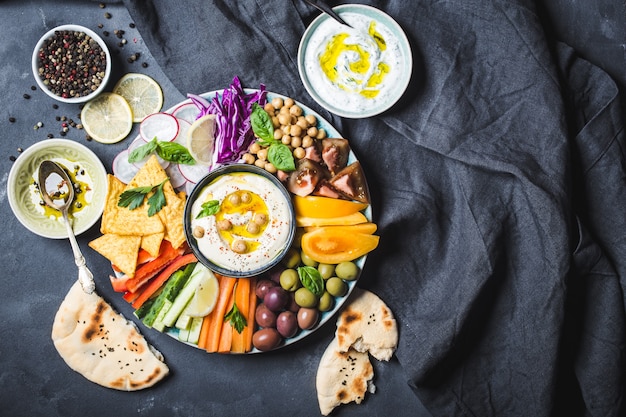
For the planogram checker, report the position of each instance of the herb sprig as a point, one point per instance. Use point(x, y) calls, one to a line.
point(278, 153)
point(236, 318)
point(133, 198)
point(209, 208)
point(169, 151)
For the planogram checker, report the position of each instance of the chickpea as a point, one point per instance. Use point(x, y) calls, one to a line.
point(239, 246)
point(224, 225)
point(296, 141)
point(277, 102)
point(299, 153)
point(295, 130)
point(246, 197)
point(311, 119)
point(253, 228)
point(262, 154)
point(278, 134)
point(302, 123)
point(260, 218)
point(284, 118)
point(248, 158)
point(288, 102)
point(254, 148)
point(286, 130)
point(198, 232)
point(307, 141)
point(295, 110)
point(275, 122)
point(283, 110)
point(286, 140)
point(312, 131)
point(260, 163)
point(269, 167)
point(269, 107)
point(234, 199)
point(321, 134)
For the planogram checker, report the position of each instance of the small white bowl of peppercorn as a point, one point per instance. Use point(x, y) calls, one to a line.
point(71, 64)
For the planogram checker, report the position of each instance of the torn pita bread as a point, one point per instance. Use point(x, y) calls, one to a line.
point(343, 377)
point(367, 324)
point(104, 347)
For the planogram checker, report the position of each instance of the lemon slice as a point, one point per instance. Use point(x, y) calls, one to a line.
point(143, 94)
point(205, 296)
point(200, 139)
point(107, 118)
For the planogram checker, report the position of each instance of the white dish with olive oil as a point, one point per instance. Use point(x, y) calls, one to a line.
point(355, 72)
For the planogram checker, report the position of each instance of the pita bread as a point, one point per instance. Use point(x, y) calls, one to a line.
point(343, 377)
point(367, 324)
point(100, 344)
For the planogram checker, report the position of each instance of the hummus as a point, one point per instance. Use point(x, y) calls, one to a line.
point(241, 222)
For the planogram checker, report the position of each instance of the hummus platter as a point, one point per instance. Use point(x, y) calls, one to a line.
point(239, 224)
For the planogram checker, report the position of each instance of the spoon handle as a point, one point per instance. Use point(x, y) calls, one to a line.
point(85, 277)
point(325, 8)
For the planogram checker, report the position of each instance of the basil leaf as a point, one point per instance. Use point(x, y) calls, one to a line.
point(281, 157)
point(311, 279)
point(157, 200)
point(262, 125)
point(140, 153)
point(174, 152)
point(209, 208)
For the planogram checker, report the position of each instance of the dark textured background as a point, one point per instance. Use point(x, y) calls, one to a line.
point(37, 272)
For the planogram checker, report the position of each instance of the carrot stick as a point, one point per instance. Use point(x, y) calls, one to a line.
point(204, 331)
point(249, 329)
point(226, 291)
point(160, 279)
point(242, 295)
point(226, 338)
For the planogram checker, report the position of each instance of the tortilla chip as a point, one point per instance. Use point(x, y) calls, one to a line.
point(121, 250)
point(152, 243)
point(172, 217)
point(121, 220)
point(151, 174)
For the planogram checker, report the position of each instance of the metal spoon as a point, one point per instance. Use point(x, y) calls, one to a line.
point(53, 181)
point(325, 8)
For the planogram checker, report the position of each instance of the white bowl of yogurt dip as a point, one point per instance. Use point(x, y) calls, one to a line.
point(357, 71)
point(239, 220)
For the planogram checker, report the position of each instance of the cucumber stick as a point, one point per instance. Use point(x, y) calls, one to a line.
point(158, 322)
point(186, 294)
point(169, 293)
point(194, 330)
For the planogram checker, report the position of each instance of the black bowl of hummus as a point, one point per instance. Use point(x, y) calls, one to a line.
point(239, 220)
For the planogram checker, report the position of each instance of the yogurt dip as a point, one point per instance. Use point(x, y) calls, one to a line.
point(241, 222)
point(354, 68)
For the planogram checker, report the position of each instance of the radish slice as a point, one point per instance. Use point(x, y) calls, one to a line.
point(187, 112)
point(183, 128)
point(139, 141)
point(176, 177)
point(122, 169)
point(189, 186)
point(163, 126)
point(193, 173)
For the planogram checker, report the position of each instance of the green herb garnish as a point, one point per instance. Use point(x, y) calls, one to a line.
point(311, 279)
point(209, 208)
point(236, 319)
point(134, 197)
point(278, 153)
point(168, 151)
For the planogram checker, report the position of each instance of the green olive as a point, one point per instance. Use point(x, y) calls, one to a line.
point(307, 260)
point(327, 302)
point(336, 287)
point(347, 270)
point(326, 270)
point(289, 280)
point(292, 258)
point(305, 298)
